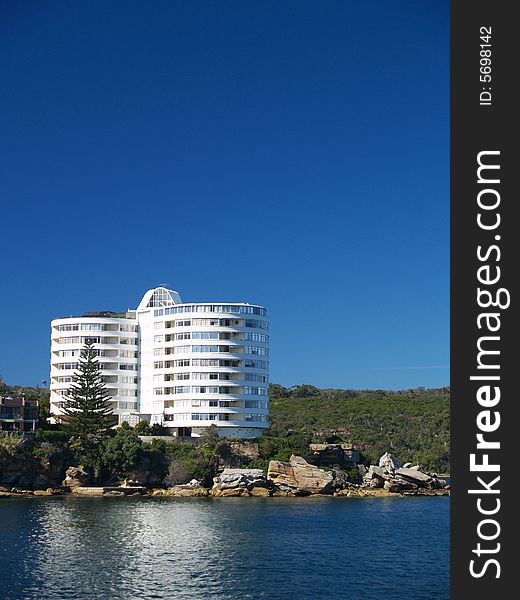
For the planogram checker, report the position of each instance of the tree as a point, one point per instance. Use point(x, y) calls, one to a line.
point(209, 436)
point(87, 407)
point(121, 452)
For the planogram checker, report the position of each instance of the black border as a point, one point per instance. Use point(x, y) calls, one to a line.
point(476, 128)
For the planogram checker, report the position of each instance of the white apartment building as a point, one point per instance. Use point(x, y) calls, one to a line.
point(185, 366)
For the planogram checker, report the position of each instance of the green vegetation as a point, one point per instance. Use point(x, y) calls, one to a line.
point(412, 424)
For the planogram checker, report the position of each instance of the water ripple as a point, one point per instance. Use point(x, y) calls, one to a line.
point(224, 548)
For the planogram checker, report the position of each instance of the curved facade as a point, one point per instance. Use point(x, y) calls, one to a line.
point(116, 341)
point(197, 364)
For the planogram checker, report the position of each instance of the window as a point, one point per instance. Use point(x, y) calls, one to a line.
point(68, 327)
point(210, 416)
point(157, 391)
point(256, 364)
point(126, 405)
point(205, 348)
point(125, 367)
point(204, 375)
point(256, 324)
point(69, 340)
point(182, 323)
point(182, 389)
point(205, 335)
point(256, 377)
point(183, 336)
point(181, 376)
point(205, 362)
point(256, 350)
point(228, 363)
point(158, 364)
point(184, 362)
point(158, 351)
point(251, 336)
point(92, 327)
point(181, 349)
point(255, 391)
point(157, 338)
point(124, 392)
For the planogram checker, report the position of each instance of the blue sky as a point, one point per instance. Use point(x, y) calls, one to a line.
point(291, 154)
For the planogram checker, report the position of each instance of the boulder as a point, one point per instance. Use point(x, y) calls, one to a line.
point(389, 463)
point(184, 491)
point(415, 476)
point(260, 491)
point(75, 477)
point(87, 491)
point(299, 477)
point(238, 491)
point(233, 479)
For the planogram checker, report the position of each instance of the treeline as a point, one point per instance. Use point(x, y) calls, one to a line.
point(412, 424)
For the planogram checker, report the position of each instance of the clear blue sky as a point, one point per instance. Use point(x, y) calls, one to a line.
point(292, 154)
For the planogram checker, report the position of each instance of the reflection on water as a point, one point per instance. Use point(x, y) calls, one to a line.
point(226, 548)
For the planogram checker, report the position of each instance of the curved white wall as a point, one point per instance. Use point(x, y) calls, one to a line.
point(115, 339)
point(204, 364)
point(187, 366)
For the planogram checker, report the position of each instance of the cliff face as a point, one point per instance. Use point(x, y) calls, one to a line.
point(31, 473)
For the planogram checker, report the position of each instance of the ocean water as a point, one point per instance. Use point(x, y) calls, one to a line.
point(224, 548)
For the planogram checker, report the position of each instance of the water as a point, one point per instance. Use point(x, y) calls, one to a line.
point(224, 548)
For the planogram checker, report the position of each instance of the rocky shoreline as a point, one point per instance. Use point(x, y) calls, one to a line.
point(294, 478)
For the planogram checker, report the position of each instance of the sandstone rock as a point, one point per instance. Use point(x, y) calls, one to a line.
point(75, 477)
point(414, 476)
point(260, 491)
point(374, 471)
point(389, 463)
point(299, 477)
point(392, 486)
point(277, 492)
point(407, 465)
point(230, 492)
point(231, 479)
point(182, 491)
point(87, 491)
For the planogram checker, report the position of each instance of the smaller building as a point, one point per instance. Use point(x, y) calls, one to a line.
point(18, 414)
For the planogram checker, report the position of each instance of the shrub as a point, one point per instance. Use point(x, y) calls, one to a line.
point(52, 436)
point(121, 452)
point(177, 474)
point(142, 428)
point(12, 446)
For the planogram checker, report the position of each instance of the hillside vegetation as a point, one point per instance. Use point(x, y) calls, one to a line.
point(412, 424)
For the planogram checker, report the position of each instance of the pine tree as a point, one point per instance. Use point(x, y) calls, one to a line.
point(87, 407)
